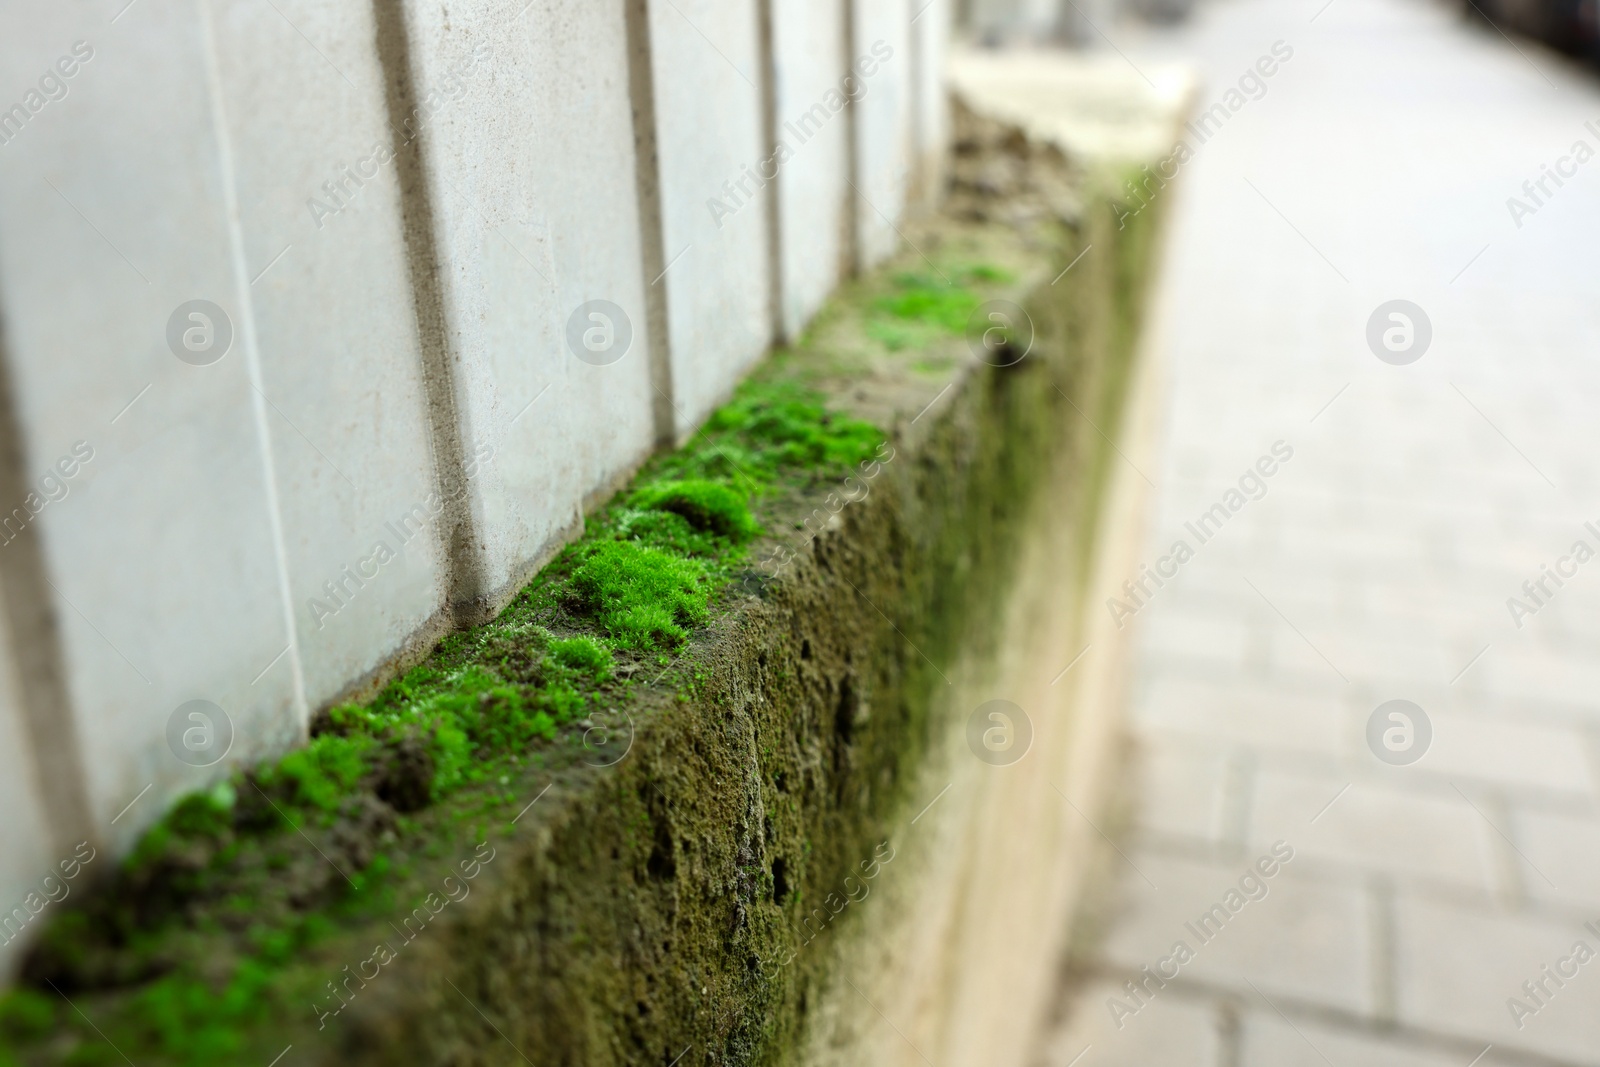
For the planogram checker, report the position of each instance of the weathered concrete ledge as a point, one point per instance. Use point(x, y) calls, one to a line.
point(796, 831)
point(808, 841)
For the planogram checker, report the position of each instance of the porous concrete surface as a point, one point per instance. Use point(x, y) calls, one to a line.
point(1375, 164)
point(956, 963)
point(27, 837)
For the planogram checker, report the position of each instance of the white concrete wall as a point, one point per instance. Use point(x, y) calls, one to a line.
point(930, 31)
point(341, 375)
point(809, 68)
point(883, 64)
point(532, 171)
point(1012, 20)
point(708, 113)
point(164, 556)
point(398, 331)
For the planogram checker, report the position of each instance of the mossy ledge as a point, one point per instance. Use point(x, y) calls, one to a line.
point(587, 832)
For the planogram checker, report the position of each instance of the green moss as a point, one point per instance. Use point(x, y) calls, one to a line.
point(921, 306)
point(320, 775)
point(664, 529)
point(770, 427)
point(27, 1014)
point(199, 929)
point(584, 656)
point(644, 598)
point(706, 506)
point(927, 300)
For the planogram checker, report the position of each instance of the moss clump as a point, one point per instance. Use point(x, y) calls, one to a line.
point(319, 776)
point(583, 656)
point(666, 530)
point(706, 506)
point(26, 1014)
point(643, 597)
point(922, 306)
point(767, 430)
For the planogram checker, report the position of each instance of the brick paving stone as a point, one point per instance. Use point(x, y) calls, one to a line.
point(1567, 850)
point(1181, 789)
point(1245, 713)
point(1169, 1031)
point(1303, 939)
point(1220, 639)
point(1525, 670)
point(1458, 967)
point(1508, 749)
point(1374, 827)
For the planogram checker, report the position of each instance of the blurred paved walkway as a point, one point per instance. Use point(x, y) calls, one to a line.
point(1375, 166)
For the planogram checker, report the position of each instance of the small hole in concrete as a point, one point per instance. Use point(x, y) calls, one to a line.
point(780, 881)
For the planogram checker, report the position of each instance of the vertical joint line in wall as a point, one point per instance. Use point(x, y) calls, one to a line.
point(252, 353)
point(964, 15)
point(1510, 881)
point(1591, 737)
point(767, 43)
point(852, 152)
point(35, 643)
point(647, 187)
point(1380, 936)
point(467, 597)
point(1239, 780)
point(1229, 1053)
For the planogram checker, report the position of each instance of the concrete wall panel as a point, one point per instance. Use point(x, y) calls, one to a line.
point(930, 31)
point(714, 208)
point(319, 207)
point(529, 144)
point(162, 555)
point(809, 70)
point(883, 124)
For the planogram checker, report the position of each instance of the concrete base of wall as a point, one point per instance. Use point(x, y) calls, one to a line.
point(957, 961)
